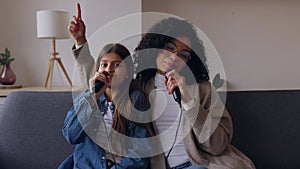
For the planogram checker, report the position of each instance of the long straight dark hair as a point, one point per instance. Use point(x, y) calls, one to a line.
point(119, 122)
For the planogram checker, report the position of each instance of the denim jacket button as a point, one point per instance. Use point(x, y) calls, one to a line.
point(103, 158)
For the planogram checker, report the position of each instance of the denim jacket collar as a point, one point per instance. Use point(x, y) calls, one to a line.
point(103, 104)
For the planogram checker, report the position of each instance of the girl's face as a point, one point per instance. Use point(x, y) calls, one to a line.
point(174, 55)
point(112, 63)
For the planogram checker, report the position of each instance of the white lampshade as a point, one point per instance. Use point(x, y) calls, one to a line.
point(52, 24)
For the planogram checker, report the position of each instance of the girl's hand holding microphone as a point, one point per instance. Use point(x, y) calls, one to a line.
point(99, 82)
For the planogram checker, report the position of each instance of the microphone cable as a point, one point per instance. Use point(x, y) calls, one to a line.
point(106, 132)
point(96, 88)
point(177, 129)
point(177, 97)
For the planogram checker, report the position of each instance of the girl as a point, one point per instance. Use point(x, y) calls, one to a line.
point(84, 125)
point(95, 116)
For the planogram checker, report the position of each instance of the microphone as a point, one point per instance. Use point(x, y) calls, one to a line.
point(176, 94)
point(99, 84)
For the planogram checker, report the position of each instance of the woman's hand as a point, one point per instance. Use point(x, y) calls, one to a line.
point(176, 80)
point(77, 27)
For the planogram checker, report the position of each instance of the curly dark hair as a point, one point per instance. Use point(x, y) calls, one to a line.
point(155, 39)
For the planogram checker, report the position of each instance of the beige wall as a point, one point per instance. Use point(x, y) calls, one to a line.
point(18, 33)
point(2, 27)
point(257, 41)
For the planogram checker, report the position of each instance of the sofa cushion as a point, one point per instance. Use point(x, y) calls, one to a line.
point(31, 124)
point(266, 126)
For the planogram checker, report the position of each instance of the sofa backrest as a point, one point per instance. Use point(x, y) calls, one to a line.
point(31, 130)
point(267, 126)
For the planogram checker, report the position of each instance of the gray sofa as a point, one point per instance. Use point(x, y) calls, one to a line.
point(30, 130)
point(266, 128)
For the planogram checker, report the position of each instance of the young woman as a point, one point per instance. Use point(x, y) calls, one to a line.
point(170, 57)
point(95, 118)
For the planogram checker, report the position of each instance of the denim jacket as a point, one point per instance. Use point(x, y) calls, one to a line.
point(87, 154)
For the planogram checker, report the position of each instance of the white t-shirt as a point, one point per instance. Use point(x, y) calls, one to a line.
point(166, 114)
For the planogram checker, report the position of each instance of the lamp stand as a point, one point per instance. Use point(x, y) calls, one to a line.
point(48, 80)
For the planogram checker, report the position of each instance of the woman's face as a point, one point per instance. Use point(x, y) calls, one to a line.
point(174, 55)
point(112, 63)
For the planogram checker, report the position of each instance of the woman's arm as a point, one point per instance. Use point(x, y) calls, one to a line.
point(84, 64)
point(84, 60)
point(210, 121)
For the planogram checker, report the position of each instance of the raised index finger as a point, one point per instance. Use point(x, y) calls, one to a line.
point(78, 11)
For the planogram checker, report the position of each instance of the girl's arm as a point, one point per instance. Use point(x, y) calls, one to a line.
point(79, 118)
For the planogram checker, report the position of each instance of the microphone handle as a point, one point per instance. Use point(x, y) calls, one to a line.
point(98, 85)
point(176, 95)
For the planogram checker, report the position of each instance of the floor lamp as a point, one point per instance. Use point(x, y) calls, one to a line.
point(53, 25)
